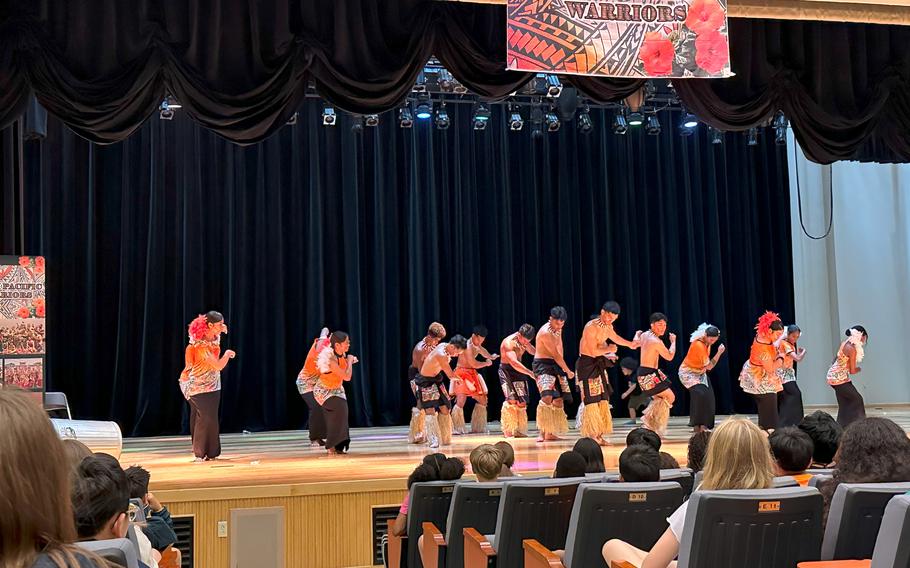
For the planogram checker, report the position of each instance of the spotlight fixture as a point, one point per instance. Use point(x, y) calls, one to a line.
point(688, 123)
point(445, 81)
point(717, 136)
point(585, 124)
point(516, 122)
point(553, 123)
point(371, 120)
point(405, 118)
point(752, 137)
point(554, 86)
point(293, 120)
point(458, 88)
point(481, 116)
point(167, 108)
point(652, 126)
point(357, 124)
point(635, 118)
point(442, 117)
point(620, 124)
point(328, 116)
point(780, 129)
point(421, 85)
point(424, 108)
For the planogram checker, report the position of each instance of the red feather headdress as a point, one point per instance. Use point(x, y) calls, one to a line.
point(198, 327)
point(765, 321)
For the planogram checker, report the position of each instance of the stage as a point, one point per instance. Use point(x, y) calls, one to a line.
point(329, 501)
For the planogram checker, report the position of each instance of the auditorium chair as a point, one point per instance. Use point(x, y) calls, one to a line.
point(819, 479)
point(750, 528)
point(892, 545)
point(117, 551)
point(780, 481)
point(54, 401)
point(634, 512)
point(682, 475)
point(537, 509)
point(854, 518)
point(473, 505)
point(429, 502)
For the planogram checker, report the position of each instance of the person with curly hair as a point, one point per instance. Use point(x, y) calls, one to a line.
point(698, 448)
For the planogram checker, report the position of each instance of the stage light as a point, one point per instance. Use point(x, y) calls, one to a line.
point(458, 87)
point(371, 120)
point(405, 118)
point(553, 122)
point(585, 124)
point(328, 116)
point(442, 117)
point(293, 120)
point(717, 136)
point(444, 79)
point(481, 116)
point(635, 118)
point(554, 86)
point(620, 124)
point(687, 124)
point(780, 129)
point(652, 126)
point(536, 123)
point(516, 122)
point(167, 108)
point(752, 137)
point(421, 85)
point(357, 124)
point(424, 108)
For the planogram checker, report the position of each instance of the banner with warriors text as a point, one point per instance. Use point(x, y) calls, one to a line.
point(22, 316)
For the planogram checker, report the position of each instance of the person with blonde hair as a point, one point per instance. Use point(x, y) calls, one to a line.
point(486, 462)
point(739, 457)
point(37, 529)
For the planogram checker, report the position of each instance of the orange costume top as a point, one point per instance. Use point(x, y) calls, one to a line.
point(693, 370)
point(329, 383)
point(201, 373)
point(754, 379)
point(308, 376)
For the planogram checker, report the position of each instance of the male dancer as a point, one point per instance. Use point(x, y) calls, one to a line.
point(597, 353)
point(471, 384)
point(432, 394)
point(651, 379)
point(514, 386)
point(552, 375)
point(435, 333)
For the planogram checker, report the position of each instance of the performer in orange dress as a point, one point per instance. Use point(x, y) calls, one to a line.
point(471, 384)
point(790, 400)
point(693, 374)
point(306, 381)
point(200, 382)
point(335, 368)
point(759, 375)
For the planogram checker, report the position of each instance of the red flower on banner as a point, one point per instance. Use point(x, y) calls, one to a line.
point(656, 54)
point(712, 52)
point(705, 16)
point(25, 261)
point(24, 312)
point(39, 264)
point(38, 301)
point(39, 311)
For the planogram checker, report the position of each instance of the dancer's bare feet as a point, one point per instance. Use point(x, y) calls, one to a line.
point(552, 437)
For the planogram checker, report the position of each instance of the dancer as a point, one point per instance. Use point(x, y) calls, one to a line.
point(200, 382)
point(629, 368)
point(759, 375)
point(471, 384)
point(693, 374)
point(335, 367)
point(789, 400)
point(552, 376)
point(435, 333)
point(850, 405)
point(432, 394)
point(515, 387)
point(597, 353)
point(306, 380)
point(651, 379)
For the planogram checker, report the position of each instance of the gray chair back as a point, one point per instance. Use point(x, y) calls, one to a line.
point(634, 512)
point(57, 401)
point(784, 481)
point(429, 503)
point(854, 518)
point(682, 475)
point(751, 528)
point(474, 505)
point(892, 547)
point(538, 509)
point(119, 551)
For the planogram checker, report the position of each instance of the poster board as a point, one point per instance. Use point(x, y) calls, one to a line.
point(23, 334)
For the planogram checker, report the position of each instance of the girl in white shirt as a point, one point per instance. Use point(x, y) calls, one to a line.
point(739, 457)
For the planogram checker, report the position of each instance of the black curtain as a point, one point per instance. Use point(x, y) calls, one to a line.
point(378, 234)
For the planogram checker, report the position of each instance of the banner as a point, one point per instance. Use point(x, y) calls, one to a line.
point(22, 331)
point(638, 39)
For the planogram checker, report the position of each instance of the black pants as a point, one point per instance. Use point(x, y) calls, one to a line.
point(767, 410)
point(850, 404)
point(204, 427)
point(316, 421)
point(790, 405)
point(336, 422)
point(701, 406)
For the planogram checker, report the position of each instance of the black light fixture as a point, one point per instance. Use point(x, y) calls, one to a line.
point(554, 86)
point(780, 129)
point(717, 136)
point(442, 117)
point(516, 122)
point(421, 85)
point(752, 136)
point(293, 120)
point(167, 108)
point(635, 118)
point(620, 124)
point(481, 116)
point(536, 123)
point(687, 123)
point(371, 120)
point(357, 124)
point(424, 108)
point(652, 126)
point(553, 122)
point(405, 118)
point(445, 81)
point(328, 115)
point(585, 124)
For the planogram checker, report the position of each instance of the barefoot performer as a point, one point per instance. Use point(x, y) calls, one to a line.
point(693, 374)
point(471, 384)
point(514, 386)
point(651, 379)
point(790, 400)
point(435, 333)
point(432, 394)
point(552, 376)
point(306, 380)
point(850, 404)
point(759, 375)
point(335, 368)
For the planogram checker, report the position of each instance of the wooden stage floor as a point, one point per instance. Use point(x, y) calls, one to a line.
point(272, 458)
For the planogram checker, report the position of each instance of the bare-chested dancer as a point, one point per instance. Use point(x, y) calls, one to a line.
point(416, 433)
point(470, 383)
point(514, 385)
point(597, 353)
point(552, 375)
point(651, 379)
point(432, 393)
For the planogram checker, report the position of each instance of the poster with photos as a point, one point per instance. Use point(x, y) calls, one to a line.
point(22, 322)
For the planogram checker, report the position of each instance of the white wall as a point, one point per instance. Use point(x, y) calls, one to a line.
point(859, 274)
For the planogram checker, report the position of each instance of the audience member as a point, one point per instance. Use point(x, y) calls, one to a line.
point(508, 458)
point(486, 462)
point(75, 452)
point(643, 436)
point(739, 457)
point(434, 467)
point(639, 462)
point(698, 447)
point(667, 461)
point(792, 450)
point(593, 454)
point(570, 464)
point(159, 527)
point(826, 434)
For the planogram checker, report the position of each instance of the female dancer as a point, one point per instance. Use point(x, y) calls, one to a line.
point(306, 380)
point(790, 400)
point(335, 367)
point(759, 375)
point(200, 382)
point(850, 406)
point(693, 374)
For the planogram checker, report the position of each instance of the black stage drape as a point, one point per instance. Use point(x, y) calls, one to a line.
point(241, 68)
point(378, 234)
